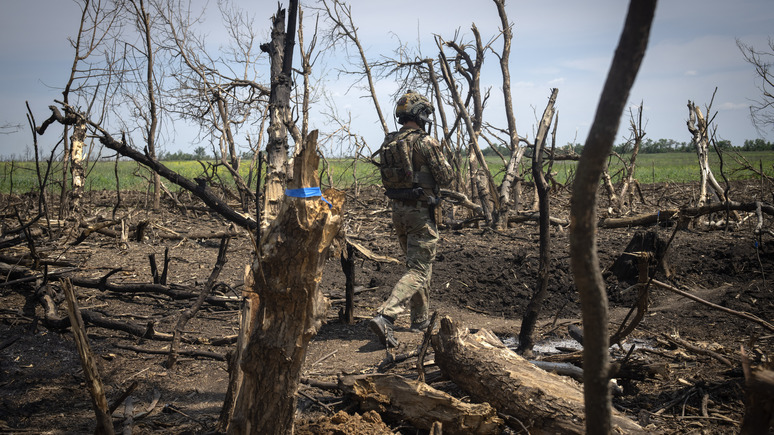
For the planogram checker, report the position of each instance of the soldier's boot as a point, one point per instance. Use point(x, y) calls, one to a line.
point(420, 326)
point(382, 327)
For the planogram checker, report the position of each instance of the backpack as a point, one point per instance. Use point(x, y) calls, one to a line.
point(395, 162)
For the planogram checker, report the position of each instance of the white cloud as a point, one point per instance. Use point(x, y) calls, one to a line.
point(559, 81)
point(733, 106)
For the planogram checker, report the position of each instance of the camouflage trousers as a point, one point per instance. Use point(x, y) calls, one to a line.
point(418, 237)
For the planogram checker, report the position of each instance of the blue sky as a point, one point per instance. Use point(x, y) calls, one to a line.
point(565, 44)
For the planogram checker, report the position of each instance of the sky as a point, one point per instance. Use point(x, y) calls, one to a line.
point(562, 44)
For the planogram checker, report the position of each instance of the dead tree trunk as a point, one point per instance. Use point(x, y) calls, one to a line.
point(517, 152)
point(290, 308)
point(628, 179)
point(279, 112)
point(76, 164)
point(698, 127)
point(533, 309)
point(759, 399)
point(583, 242)
point(543, 402)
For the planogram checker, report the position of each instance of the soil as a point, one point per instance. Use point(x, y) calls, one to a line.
point(482, 278)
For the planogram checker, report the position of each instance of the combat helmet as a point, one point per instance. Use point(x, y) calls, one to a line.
point(412, 106)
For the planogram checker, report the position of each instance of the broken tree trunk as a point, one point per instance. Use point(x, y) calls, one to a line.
point(759, 399)
point(280, 51)
point(348, 267)
point(626, 266)
point(698, 127)
point(420, 404)
point(543, 402)
point(76, 163)
point(290, 307)
point(235, 373)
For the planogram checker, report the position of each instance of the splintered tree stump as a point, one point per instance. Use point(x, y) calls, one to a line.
point(543, 402)
point(626, 266)
point(420, 404)
point(290, 308)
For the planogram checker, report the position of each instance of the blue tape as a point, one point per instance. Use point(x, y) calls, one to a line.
point(307, 192)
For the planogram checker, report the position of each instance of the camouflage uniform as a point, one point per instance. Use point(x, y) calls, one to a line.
point(414, 223)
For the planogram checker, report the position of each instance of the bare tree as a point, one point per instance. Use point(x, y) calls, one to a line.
point(469, 67)
point(698, 125)
point(344, 31)
point(626, 194)
point(97, 25)
point(148, 109)
point(583, 242)
point(762, 110)
point(517, 152)
point(535, 304)
point(222, 96)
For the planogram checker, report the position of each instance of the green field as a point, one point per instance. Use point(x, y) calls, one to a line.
point(22, 177)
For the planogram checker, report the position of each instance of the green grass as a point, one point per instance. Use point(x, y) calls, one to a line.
point(666, 167)
point(21, 177)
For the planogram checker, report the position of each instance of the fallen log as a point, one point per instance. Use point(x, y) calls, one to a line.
point(490, 372)
point(686, 212)
point(191, 353)
point(420, 404)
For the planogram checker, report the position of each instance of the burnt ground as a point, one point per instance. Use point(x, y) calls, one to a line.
point(482, 278)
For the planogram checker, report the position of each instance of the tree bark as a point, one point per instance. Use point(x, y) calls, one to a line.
point(279, 117)
point(543, 402)
point(290, 307)
point(583, 242)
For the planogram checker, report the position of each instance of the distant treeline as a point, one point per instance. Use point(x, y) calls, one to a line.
point(199, 153)
point(650, 146)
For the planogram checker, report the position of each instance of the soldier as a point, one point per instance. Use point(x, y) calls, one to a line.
point(413, 170)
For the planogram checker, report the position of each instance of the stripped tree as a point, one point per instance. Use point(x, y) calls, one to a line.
point(509, 194)
point(280, 51)
point(533, 308)
point(469, 67)
point(625, 194)
point(701, 139)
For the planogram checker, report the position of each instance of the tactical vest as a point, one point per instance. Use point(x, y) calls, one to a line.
point(406, 178)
